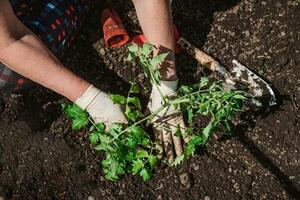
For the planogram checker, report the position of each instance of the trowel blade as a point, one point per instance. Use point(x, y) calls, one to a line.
point(257, 87)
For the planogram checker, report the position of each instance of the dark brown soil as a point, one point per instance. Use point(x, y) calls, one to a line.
point(41, 158)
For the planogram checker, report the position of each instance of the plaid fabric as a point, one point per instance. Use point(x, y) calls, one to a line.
point(56, 22)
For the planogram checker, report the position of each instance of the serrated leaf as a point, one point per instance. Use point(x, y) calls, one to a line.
point(133, 48)
point(190, 150)
point(203, 82)
point(131, 114)
point(190, 115)
point(104, 147)
point(137, 165)
point(74, 111)
point(131, 142)
point(131, 56)
point(94, 138)
point(152, 160)
point(118, 99)
point(147, 49)
point(239, 96)
point(135, 101)
point(121, 169)
point(141, 154)
point(178, 160)
point(134, 88)
point(129, 156)
point(79, 123)
point(104, 138)
point(115, 129)
point(157, 60)
point(145, 174)
point(138, 133)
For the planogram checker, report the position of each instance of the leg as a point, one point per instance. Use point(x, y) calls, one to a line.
point(156, 21)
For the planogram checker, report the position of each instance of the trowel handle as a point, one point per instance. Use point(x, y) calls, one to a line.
point(202, 57)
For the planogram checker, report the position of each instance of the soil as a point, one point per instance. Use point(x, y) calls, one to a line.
point(41, 158)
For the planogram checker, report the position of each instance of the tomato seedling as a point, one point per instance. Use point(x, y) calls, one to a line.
point(129, 149)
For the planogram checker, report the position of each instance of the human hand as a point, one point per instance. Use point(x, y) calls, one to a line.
point(166, 122)
point(100, 107)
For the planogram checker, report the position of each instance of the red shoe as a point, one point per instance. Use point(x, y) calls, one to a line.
point(115, 34)
point(141, 39)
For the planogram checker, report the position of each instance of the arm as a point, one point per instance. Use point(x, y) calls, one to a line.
point(156, 21)
point(23, 52)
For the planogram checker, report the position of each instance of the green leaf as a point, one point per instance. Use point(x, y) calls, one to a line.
point(121, 170)
point(133, 48)
point(104, 147)
point(239, 96)
point(131, 142)
point(190, 150)
point(79, 123)
point(178, 160)
point(203, 82)
point(137, 165)
point(178, 131)
point(188, 131)
point(145, 174)
point(129, 156)
point(135, 101)
point(229, 95)
point(118, 99)
point(115, 129)
point(147, 49)
point(74, 111)
point(100, 128)
point(152, 160)
point(94, 138)
point(138, 133)
point(104, 138)
point(134, 88)
point(131, 114)
point(190, 115)
point(157, 60)
point(141, 154)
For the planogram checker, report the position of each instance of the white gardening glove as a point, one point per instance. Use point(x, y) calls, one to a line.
point(100, 107)
point(166, 122)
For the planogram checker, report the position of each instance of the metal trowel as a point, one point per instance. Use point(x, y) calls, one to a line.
point(238, 78)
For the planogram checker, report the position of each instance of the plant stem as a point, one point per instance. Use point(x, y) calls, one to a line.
point(93, 123)
point(141, 121)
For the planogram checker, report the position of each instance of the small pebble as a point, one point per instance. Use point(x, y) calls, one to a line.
point(141, 78)
point(91, 198)
point(247, 33)
point(102, 52)
point(207, 198)
point(185, 180)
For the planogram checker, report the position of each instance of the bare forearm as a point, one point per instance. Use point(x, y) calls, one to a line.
point(30, 58)
point(156, 21)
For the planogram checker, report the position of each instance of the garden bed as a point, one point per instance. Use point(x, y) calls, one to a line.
point(41, 158)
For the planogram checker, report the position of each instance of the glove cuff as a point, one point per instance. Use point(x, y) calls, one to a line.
point(87, 97)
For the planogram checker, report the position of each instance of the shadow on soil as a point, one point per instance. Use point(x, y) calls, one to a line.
point(254, 149)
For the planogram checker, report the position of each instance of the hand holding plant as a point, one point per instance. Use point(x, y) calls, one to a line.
point(129, 149)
